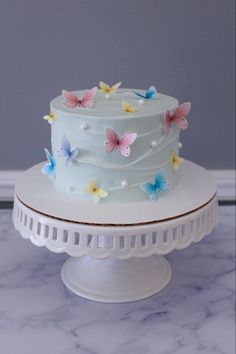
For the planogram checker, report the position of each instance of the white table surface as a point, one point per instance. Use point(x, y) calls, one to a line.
point(193, 314)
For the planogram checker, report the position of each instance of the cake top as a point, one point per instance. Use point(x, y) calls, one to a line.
point(124, 103)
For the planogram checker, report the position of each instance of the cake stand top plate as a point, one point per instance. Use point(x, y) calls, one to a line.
point(196, 187)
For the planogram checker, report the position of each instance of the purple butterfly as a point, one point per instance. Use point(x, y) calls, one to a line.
point(66, 151)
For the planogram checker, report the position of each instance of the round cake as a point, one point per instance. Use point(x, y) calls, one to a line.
point(115, 145)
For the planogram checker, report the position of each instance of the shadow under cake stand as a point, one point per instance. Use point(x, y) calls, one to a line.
point(115, 249)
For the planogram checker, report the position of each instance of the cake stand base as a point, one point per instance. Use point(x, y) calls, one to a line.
point(115, 280)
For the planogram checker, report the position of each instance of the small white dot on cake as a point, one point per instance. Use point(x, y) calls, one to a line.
point(141, 101)
point(153, 143)
point(180, 145)
point(107, 96)
point(84, 126)
point(124, 184)
point(70, 188)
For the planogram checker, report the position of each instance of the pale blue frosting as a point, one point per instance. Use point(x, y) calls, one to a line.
point(85, 129)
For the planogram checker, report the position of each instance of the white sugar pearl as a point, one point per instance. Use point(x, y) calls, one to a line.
point(84, 126)
point(180, 145)
point(141, 101)
point(70, 188)
point(153, 143)
point(124, 184)
point(107, 95)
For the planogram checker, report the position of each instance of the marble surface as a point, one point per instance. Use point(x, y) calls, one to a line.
point(193, 314)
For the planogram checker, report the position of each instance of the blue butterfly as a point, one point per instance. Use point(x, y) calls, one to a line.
point(149, 94)
point(154, 189)
point(66, 151)
point(49, 168)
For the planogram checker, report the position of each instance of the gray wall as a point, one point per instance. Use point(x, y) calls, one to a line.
point(184, 47)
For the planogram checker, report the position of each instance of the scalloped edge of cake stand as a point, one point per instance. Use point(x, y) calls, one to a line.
point(120, 242)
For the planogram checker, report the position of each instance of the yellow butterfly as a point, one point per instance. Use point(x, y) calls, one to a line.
point(126, 107)
point(97, 193)
point(50, 117)
point(175, 160)
point(107, 89)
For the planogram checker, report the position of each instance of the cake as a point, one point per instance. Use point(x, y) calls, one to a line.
point(115, 145)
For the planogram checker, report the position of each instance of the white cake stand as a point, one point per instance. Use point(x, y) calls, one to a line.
point(115, 249)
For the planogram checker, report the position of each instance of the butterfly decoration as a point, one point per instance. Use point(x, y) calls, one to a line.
point(87, 101)
point(51, 117)
point(126, 107)
point(96, 192)
point(66, 151)
point(121, 144)
point(175, 160)
point(151, 93)
point(158, 186)
point(107, 89)
point(177, 117)
point(49, 168)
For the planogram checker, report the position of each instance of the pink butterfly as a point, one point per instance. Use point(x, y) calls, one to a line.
point(178, 117)
point(122, 144)
point(71, 100)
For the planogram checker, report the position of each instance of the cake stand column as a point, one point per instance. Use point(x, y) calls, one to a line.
point(116, 280)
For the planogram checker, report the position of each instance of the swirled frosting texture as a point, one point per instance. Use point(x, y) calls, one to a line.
point(122, 177)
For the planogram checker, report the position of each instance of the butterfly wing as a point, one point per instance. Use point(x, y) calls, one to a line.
point(176, 162)
point(48, 170)
point(128, 138)
point(151, 93)
point(71, 157)
point(88, 98)
point(50, 157)
point(65, 146)
point(65, 149)
point(91, 187)
point(126, 107)
point(114, 87)
point(180, 122)
point(98, 194)
point(48, 118)
point(125, 141)
point(71, 100)
point(167, 123)
point(161, 183)
point(105, 88)
point(139, 95)
point(112, 140)
point(180, 114)
point(151, 190)
point(183, 109)
point(73, 154)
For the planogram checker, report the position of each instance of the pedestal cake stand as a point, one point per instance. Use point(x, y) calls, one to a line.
point(115, 249)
